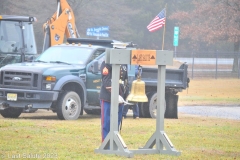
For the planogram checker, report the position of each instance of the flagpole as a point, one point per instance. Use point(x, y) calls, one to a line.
point(164, 26)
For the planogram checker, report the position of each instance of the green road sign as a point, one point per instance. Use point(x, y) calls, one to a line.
point(175, 36)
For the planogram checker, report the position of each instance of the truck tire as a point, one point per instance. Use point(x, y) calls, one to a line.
point(11, 112)
point(172, 109)
point(140, 106)
point(143, 108)
point(69, 106)
point(149, 109)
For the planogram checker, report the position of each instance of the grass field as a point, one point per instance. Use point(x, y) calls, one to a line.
point(211, 92)
point(42, 135)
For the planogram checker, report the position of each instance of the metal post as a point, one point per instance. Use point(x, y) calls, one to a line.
point(216, 72)
point(238, 65)
point(192, 63)
point(175, 52)
point(159, 137)
point(113, 143)
point(161, 97)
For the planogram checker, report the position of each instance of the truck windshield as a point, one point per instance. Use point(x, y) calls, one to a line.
point(11, 38)
point(66, 54)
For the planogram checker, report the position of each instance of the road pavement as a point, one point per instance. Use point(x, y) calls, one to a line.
point(227, 112)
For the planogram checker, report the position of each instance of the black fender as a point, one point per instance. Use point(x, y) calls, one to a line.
point(71, 79)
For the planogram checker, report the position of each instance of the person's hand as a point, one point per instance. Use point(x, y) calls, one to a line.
point(109, 89)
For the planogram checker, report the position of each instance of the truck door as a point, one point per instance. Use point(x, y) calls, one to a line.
point(93, 83)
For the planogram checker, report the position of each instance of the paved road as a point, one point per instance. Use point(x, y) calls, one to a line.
point(228, 112)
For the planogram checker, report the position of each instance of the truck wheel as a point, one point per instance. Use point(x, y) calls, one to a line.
point(143, 108)
point(69, 106)
point(11, 112)
point(150, 107)
point(140, 106)
point(172, 109)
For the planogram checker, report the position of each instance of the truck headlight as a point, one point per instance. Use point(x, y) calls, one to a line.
point(48, 86)
point(48, 82)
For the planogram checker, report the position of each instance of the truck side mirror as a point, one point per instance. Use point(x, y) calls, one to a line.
point(94, 67)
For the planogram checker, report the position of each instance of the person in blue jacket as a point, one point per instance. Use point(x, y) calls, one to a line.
point(105, 99)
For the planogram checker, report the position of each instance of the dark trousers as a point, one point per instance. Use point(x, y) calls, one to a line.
point(134, 108)
point(105, 117)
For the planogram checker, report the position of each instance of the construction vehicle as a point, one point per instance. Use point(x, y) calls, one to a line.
point(61, 23)
point(66, 79)
point(17, 39)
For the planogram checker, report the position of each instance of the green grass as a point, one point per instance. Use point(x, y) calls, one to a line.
point(211, 92)
point(42, 134)
point(195, 137)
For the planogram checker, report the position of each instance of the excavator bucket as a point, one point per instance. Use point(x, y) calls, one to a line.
point(71, 31)
point(61, 23)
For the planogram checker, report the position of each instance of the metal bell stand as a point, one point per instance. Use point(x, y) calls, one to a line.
point(113, 143)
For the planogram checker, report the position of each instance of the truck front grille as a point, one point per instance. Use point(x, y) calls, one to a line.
point(24, 80)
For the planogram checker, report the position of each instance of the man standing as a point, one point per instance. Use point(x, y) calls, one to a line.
point(124, 80)
point(135, 110)
point(105, 99)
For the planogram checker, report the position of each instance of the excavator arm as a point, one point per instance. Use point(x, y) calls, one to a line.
point(61, 24)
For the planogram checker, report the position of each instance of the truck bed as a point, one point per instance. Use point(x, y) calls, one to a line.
point(175, 78)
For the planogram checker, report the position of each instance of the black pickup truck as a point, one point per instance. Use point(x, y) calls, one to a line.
point(66, 79)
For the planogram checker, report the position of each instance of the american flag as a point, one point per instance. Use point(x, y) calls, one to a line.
point(157, 22)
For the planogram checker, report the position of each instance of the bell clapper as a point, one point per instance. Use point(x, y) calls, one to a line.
point(139, 72)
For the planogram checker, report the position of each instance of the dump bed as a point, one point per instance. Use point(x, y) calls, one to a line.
point(175, 78)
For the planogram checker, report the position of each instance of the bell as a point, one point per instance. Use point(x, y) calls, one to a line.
point(137, 92)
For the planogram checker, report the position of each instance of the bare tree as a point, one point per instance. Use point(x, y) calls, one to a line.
point(211, 21)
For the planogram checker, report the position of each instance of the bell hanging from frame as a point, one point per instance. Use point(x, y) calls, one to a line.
point(137, 93)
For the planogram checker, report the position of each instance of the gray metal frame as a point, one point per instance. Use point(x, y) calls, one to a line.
point(113, 143)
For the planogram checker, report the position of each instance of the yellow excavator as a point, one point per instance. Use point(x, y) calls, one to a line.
point(61, 24)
